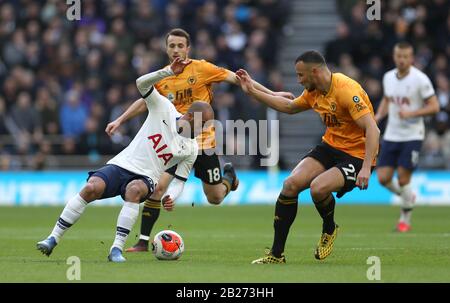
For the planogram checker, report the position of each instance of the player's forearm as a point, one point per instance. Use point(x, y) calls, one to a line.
point(161, 187)
point(372, 143)
point(175, 189)
point(431, 108)
point(138, 107)
point(278, 103)
point(148, 80)
point(262, 88)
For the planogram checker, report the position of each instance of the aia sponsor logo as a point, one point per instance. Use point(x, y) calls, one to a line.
point(400, 100)
point(160, 149)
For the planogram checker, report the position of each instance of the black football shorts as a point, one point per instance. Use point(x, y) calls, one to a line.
point(330, 157)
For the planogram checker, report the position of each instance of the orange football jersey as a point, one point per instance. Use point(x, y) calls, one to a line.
point(345, 102)
point(193, 84)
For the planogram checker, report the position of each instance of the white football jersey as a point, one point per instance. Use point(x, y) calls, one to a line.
point(408, 93)
point(158, 146)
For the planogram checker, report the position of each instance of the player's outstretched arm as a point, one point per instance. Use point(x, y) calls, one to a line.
point(368, 124)
point(145, 82)
point(232, 78)
point(278, 103)
point(138, 107)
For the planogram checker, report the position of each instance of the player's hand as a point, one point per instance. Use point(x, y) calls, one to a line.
point(362, 180)
point(245, 81)
point(112, 127)
point(168, 203)
point(285, 95)
point(403, 114)
point(179, 64)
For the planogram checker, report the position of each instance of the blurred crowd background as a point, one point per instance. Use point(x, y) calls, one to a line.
point(62, 81)
point(363, 50)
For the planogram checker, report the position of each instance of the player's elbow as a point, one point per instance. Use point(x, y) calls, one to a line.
point(433, 105)
point(290, 109)
point(436, 108)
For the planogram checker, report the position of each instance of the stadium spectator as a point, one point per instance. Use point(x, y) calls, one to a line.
point(46, 106)
point(3, 124)
point(342, 44)
point(93, 142)
point(26, 120)
point(72, 115)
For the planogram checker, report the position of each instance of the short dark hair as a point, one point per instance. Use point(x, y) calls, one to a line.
point(311, 57)
point(179, 33)
point(404, 45)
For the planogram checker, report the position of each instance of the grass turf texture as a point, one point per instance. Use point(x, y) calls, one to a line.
point(221, 242)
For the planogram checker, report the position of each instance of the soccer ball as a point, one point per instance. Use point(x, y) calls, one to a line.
point(168, 245)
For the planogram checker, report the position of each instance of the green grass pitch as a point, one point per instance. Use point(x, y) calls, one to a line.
point(222, 241)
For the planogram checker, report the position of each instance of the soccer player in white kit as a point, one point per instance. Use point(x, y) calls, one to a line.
point(408, 96)
point(166, 139)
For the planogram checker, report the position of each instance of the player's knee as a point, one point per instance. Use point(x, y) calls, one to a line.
point(318, 190)
point(384, 180)
point(92, 190)
point(133, 192)
point(214, 198)
point(403, 181)
point(291, 187)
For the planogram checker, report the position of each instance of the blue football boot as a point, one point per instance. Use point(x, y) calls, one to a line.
point(46, 246)
point(116, 255)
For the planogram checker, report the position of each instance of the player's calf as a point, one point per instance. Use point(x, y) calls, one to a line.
point(69, 216)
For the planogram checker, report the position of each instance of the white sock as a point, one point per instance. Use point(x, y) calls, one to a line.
point(127, 217)
point(405, 216)
point(71, 213)
point(144, 237)
point(407, 197)
point(394, 187)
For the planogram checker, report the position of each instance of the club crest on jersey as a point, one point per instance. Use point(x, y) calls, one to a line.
point(333, 106)
point(156, 139)
point(360, 107)
point(355, 99)
point(191, 80)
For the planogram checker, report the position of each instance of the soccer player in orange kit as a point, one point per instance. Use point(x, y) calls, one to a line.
point(342, 161)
